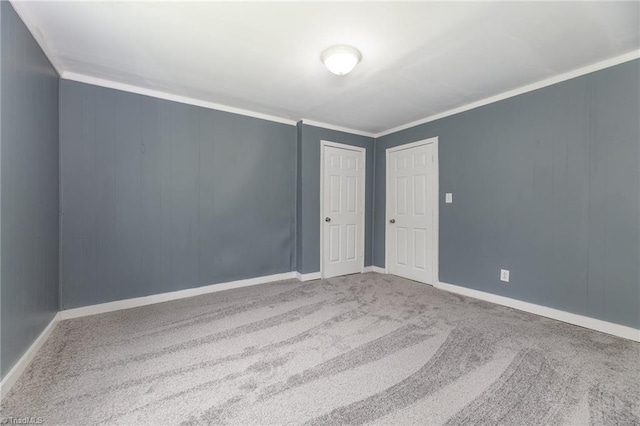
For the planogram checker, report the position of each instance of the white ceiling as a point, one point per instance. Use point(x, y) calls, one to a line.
point(419, 59)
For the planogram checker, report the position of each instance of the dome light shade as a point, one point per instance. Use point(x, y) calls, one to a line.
point(341, 60)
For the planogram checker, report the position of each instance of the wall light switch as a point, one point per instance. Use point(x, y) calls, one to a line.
point(504, 275)
point(448, 198)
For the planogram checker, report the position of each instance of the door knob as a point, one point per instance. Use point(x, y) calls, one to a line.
point(327, 219)
point(392, 221)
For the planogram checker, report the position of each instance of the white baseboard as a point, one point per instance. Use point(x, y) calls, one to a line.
point(173, 295)
point(308, 277)
point(318, 275)
point(556, 314)
point(12, 376)
point(181, 294)
point(374, 268)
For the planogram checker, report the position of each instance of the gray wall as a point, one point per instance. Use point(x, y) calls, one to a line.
point(546, 184)
point(159, 196)
point(29, 188)
point(308, 190)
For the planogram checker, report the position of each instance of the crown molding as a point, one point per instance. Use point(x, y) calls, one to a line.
point(24, 14)
point(630, 56)
point(337, 128)
point(21, 8)
point(515, 92)
point(83, 78)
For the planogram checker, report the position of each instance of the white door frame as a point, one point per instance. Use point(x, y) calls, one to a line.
point(324, 143)
point(436, 217)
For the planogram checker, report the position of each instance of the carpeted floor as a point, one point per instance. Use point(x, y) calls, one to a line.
point(360, 349)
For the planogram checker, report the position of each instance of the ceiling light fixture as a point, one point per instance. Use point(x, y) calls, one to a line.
point(341, 60)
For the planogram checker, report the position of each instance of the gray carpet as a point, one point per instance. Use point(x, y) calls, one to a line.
point(367, 348)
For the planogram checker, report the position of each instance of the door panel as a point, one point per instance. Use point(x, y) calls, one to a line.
point(419, 194)
point(402, 241)
point(343, 211)
point(334, 243)
point(412, 205)
point(351, 242)
point(420, 248)
point(401, 197)
point(352, 194)
point(335, 188)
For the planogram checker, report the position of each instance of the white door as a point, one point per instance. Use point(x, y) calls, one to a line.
point(412, 209)
point(342, 209)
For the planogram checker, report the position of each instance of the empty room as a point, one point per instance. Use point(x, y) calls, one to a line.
point(319, 213)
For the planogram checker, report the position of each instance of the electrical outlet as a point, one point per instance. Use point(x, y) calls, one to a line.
point(448, 198)
point(504, 275)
